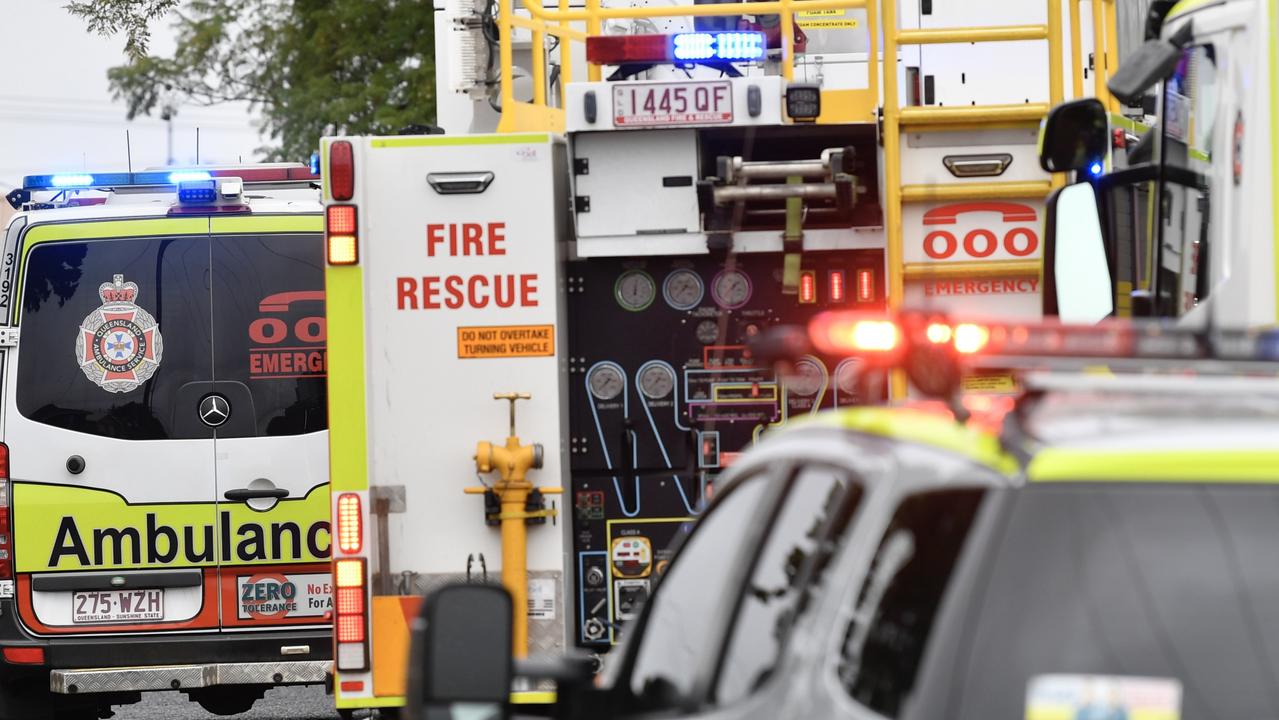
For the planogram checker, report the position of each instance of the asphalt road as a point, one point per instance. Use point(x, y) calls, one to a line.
point(303, 703)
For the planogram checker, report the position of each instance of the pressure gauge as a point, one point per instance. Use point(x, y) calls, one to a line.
point(846, 377)
point(605, 382)
point(683, 289)
point(805, 380)
point(657, 382)
point(732, 289)
point(635, 290)
point(707, 332)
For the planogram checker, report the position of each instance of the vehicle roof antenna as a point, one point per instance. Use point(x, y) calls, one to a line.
point(197, 144)
point(128, 150)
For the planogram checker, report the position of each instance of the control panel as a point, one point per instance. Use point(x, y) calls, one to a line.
point(664, 395)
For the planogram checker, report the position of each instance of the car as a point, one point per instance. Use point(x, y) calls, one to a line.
point(1095, 547)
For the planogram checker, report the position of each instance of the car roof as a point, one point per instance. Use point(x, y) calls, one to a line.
point(1210, 434)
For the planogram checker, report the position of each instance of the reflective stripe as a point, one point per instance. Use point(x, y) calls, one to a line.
point(1198, 466)
point(919, 426)
point(308, 223)
point(345, 703)
point(438, 140)
point(348, 446)
point(533, 697)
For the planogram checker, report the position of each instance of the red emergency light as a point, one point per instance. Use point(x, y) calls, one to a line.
point(807, 287)
point(835, 293)
point(705, 47)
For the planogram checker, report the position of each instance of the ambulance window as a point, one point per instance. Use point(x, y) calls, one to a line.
point(269, 332)
point(682, 626)
point(818, 507)
point(116, 359)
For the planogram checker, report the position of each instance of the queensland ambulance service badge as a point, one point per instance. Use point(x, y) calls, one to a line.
point(119, 345)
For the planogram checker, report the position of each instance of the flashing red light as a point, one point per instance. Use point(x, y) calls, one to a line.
point(836, 289)
point(618, 49)
point(865, 285)
point(341, 170)
point(970, 338)
point(844, 333)
point(807, 287)
point(350, 628)
point(342, 235)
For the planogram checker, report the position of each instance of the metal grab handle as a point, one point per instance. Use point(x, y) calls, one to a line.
point(255, 493)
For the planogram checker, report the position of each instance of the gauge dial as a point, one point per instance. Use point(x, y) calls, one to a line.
point(805, 380)
point(657, 382)
point(707, 332)
point(635, 290)
point(732, 289)
point(683, 289)
point(846, 377)
point(605, 382)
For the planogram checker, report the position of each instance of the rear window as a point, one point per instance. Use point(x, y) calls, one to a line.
point(123, 337)
point(1166, 586)
point(115, 333)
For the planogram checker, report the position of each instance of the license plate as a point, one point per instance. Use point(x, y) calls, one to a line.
point(654, 104)
point(117, 606)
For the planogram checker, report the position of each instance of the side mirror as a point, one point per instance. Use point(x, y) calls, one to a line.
point(1076, 135)
point(1153, 62)
point(1077, 281)
point(461, 653)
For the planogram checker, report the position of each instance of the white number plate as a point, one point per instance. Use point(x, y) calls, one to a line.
point(653, 104)
point(116, 606)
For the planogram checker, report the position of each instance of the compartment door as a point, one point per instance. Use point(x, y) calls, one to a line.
point(272, 449)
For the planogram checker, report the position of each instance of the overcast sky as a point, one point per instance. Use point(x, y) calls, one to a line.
point(56, 111)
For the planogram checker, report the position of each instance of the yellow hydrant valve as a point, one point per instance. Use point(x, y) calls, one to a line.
point(518, 504)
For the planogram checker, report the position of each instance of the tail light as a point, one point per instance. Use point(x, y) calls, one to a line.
point(341, 170)
point(6, 540)
point(845, 333)
point(351, 619)
point(342, 234)
point(350, 523)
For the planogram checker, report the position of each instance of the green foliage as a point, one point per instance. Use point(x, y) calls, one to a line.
point(312, 67)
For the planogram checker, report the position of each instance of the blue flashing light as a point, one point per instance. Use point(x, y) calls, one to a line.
point(727, 46)
point(71, 181)
point(182, 176)
point(315, 163)
point(1096, 168)
point(197, 190)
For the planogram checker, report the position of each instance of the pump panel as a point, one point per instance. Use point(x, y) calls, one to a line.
point(663, 395)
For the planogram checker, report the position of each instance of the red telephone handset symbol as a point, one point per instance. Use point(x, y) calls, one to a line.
point(312, 330)
point(981, 243)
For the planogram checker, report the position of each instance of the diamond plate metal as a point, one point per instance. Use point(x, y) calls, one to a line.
point(168, 677)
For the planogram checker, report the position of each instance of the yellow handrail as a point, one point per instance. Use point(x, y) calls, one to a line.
point(557, 22)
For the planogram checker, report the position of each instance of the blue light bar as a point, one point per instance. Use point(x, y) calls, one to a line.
point(70, 181)
point(188, 176)
point(728, 46)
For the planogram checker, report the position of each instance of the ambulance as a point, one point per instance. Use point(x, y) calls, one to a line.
point(1186, 231)
point(164, 515)
point(539, 319)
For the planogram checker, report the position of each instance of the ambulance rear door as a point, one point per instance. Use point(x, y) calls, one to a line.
point(114, 524)
point(267, 407)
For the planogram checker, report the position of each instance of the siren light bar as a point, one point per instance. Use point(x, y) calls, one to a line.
point(166, 178)
point(706, 47)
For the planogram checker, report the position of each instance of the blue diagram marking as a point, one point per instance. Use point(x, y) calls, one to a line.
point(599, 429)
point(683, 496)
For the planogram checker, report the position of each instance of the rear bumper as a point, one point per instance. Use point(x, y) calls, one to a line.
point(182, 677)
point(153, 662)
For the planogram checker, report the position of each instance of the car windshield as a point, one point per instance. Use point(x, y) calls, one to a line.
point(1070, 599)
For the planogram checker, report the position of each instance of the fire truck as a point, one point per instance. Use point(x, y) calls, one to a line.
point(538, 320)
point(1185, 231)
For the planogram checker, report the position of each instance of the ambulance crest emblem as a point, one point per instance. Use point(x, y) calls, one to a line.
point(119, 345)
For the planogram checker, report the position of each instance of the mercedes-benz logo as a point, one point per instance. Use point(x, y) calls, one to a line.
point(214, 410)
